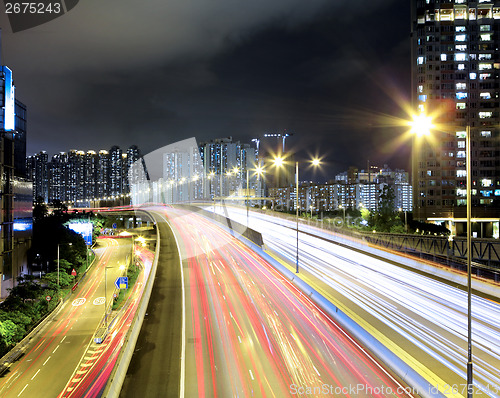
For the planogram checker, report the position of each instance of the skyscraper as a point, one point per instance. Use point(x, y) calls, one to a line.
point(115, 171)
point(15, 198)
point(37, 169)
point(455, 72)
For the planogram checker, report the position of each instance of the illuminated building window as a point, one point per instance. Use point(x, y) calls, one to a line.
point(485, 37)
point(420, 60)
point(472, 76)
point(461, 144)
point(459, 28)
point(460, 86)
point(460, 57)
point(485, 95)
point(460, 37)
point(484, 66)
point(460, 13)
point(461, 105)
point(486, 134)
point(461, 173)
point(461, 95)
point(443, 57)
point(461, 134)
point(460, 47)
point(485, 28)
point(461, 67)
point(486, 182)
point(445, 15)
point(484, 57)
point(496, 13)
point(420, 89)
point(484, 76)
point(461, 154)
point(485, 115)
point(422, 98)
point(461, 192)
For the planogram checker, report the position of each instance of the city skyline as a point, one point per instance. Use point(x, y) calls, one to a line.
point(294, 66)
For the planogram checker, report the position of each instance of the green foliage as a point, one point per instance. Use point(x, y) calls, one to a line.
point(386, 218)
point(8, 332)
point(40, 209)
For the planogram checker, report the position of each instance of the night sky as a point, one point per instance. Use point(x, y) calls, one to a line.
point(123, 72)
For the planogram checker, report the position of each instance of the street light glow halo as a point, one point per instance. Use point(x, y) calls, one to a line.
point(421, 125)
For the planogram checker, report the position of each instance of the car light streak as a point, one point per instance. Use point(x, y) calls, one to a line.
point(253, 332)
point(425, 312)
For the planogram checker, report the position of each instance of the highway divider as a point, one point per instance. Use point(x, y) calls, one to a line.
point(117, 377)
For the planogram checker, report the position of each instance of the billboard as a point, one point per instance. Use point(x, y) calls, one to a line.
point(84, 229)
point(9, 116)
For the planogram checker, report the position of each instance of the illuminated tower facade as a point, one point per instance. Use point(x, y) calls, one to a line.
point(455, 79)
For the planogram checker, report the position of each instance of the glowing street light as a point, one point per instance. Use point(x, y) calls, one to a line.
point(279, 162)
point(58, 245)
point(422, 125)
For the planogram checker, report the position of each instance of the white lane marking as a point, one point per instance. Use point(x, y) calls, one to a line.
point(239, 339)
point(55, 349)
point(22, 390)
point(251, 374)
point(316, 371)
point(99, 301)
point(63, 338)
point(47, 360)
point(35, 374)
point(78, 301)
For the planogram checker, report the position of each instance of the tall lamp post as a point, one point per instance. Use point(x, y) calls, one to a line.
point(421, 126)
point(279, 162)
point(58, 259)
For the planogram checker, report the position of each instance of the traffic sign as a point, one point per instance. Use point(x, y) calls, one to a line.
point(121, 282)
point(48, 298)
point(73, 272)
point(114, 225)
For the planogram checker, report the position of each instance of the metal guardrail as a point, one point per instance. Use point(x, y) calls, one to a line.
point(453, 253)
point(250, 234)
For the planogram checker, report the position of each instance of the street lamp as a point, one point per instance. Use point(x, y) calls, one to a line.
point(406, 220)
point(59, 244)
point(343, 208)
point(422, 125)
point(278, 162)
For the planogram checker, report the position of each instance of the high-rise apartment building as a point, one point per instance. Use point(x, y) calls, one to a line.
point(78, 176)
point(115, 170)
point(455, 79)
point(15, 200)
point(37, 170)
point(223, 157)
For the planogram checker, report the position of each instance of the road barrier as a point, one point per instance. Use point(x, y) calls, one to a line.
point(236, 229)
point(117, 377)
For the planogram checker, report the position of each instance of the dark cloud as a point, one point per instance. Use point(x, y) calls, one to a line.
point(150, 73)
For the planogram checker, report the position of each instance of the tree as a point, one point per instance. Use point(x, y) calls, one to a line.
point(8, 333)
point(385, 219)
point(40, 209)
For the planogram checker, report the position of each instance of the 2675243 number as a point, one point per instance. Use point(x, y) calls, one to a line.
point(33, 8)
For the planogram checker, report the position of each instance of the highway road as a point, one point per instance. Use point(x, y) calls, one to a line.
point(53, 356)
point(248, 331)
point(421, 319)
